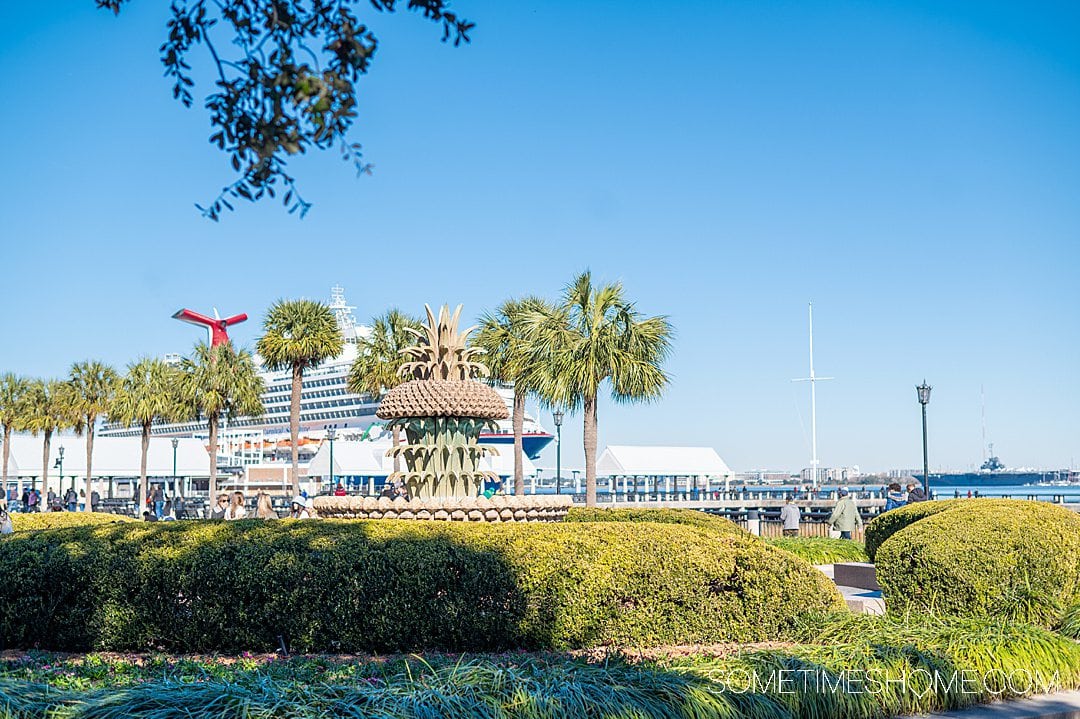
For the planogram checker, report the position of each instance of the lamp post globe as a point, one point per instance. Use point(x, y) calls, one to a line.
point(557, 418)
point(923, 391)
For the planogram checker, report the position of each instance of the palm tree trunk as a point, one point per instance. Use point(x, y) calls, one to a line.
point(89, 459)
point(143, 485)
point(294, 425)
point(396, 433)
point(46, 445)
point(519, 428)
point(590, 451)
point(7, 451)
point(213, 458)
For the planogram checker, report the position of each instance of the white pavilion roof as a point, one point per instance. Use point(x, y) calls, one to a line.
point(618, 460)
point(113, 456)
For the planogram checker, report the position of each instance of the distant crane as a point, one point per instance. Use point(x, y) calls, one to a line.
point(217, 328)
point(813, 380)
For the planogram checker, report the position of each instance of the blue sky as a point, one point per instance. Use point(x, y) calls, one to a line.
point(912, 168)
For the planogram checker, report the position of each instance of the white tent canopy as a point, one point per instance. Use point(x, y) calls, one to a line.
point(351, 459)
point(623, 460)
point(113, 457)
point(368, 459)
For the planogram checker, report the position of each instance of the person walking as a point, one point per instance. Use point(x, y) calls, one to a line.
point(790, 515)
point(219, 509)
point(895, 497)
point(95, 500)
point(35, 501)
point(71, 500)
point(26, 501)
point(845, 515)
point(236, 507)
point(157, 496)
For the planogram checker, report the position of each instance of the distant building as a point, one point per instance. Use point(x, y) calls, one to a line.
point(766, 476)
point(832, 475)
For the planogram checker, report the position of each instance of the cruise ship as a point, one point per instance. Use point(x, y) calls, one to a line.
point(325, 403)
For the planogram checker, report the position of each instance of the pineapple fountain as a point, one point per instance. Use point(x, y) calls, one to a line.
point(443, 409)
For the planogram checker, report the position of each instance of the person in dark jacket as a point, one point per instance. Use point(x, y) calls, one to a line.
point(915, 493)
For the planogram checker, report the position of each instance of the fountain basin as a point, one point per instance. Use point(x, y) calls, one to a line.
point(500, 508)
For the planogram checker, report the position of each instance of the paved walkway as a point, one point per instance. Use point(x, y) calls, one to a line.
point(1061, 705)
point(859, 600)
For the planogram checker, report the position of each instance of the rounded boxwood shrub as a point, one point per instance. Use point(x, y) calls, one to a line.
point(889, 523)
point(54, 520)
point(382, 586)
point(1013, 559)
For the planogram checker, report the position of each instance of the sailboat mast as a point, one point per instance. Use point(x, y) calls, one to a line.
point(813, 407)
point(813, 379)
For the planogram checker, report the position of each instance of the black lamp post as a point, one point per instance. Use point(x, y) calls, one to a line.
point(175, 480)
point(60, 465)
point(924, 399)
point(557, 416)
point(331, 435)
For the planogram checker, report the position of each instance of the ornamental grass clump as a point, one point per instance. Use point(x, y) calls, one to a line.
point(855, 667)
point(1015, 560)
point(821, 550)
point(382, 586)
point(1069, 623)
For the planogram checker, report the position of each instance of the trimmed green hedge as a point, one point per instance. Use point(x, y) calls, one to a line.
point(54, 520)
point(821, 550)
point(380, 586)
point(889, 523)
point(1014, 559)
point(690, 517)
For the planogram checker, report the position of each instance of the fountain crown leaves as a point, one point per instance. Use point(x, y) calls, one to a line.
point(442, 352)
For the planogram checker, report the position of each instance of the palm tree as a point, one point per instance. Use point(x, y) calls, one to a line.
point(298, 334)
point(48, 411)
point(13, 396)
point(93, 386)
point(375, 370)
point(148, 392)
point(220, 381)
point(511, 349)
point(596, 335)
